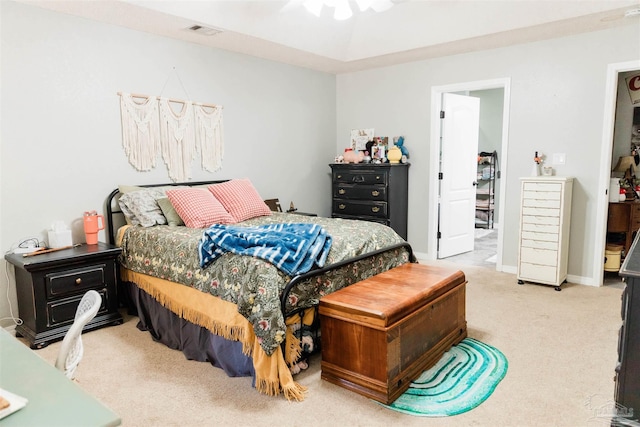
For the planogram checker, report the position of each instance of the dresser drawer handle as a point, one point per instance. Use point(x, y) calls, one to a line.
point(375, 209)
point(375, 193)
point(341, 206)
point(378, 178)
point(78, 281)
point(339, 176)
point(341, 191)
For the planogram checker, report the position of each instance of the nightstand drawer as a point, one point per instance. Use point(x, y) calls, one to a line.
point(75, 281)
point(64, 310)
point(362, 192)
point(355, 208)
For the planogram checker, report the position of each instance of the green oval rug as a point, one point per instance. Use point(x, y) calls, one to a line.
point(463, 378)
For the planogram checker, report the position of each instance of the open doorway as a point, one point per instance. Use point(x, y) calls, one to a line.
point(618, 142)
point(494, 113)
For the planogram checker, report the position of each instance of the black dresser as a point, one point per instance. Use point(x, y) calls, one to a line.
point(371, 192)
point(627, 388)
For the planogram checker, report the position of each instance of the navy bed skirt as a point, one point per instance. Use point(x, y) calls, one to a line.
point(195, 342)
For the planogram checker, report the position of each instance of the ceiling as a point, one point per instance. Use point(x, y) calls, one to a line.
point(283, 30)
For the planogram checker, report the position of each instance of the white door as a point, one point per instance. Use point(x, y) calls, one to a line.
point(458, 165)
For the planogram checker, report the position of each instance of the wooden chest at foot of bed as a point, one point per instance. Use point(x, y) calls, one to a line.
point(380, 334)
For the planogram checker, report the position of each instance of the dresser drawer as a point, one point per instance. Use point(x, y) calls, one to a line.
point(539, 244)
point(536, 273)
point(355, 208)
point(542, 186)
point(541, 203)
point(635, 217)
point(64, 310)
point(537, 211)
point(539, 256)
point(543, 220)
point(367, 176)
point(75, 281)
point(362, 192)
point(540, 228)
point(544, 237)
point(542, 195)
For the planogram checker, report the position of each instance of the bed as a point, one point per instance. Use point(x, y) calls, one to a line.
point(240, 313)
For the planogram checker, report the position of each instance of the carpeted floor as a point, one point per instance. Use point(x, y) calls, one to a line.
point(561, 348)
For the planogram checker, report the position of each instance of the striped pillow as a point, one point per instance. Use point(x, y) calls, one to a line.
point(240, 199)
point(198, 208)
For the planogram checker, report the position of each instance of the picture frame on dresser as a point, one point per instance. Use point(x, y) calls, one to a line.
point(360, 138)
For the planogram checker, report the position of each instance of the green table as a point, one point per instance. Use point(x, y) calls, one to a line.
point(54, 400)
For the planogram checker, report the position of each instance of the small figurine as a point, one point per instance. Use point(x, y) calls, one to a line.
point(399, 141)
point(292, 208)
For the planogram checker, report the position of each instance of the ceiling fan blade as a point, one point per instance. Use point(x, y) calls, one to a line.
point(291, 5)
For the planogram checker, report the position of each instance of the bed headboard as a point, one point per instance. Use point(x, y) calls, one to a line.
point(115, 217)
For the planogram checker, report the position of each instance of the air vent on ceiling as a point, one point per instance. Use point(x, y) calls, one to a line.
point(206, 31)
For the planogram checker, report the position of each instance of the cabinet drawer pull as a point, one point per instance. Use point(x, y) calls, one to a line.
point(377, 177)
point(341, 206)
point(78, 281)
point(375, 209)
point(375, 193)
point(341, 191)
point(339, 176)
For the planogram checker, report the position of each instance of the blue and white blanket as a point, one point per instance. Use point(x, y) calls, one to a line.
point(292, 247)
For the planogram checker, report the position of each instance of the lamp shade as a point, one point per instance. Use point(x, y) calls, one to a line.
point(626, 163)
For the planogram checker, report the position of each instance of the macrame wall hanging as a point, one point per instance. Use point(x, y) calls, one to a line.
point(151, 125)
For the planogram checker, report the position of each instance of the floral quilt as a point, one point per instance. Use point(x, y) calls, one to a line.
point(255, 285)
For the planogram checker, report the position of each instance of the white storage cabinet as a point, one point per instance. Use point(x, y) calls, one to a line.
point(545, 216)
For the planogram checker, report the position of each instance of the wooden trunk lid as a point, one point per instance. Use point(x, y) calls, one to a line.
point(382, 300)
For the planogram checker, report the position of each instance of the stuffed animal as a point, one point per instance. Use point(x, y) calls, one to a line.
point(400, 145)
point(353, 156)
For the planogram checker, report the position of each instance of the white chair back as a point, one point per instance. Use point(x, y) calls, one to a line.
point(72, 349)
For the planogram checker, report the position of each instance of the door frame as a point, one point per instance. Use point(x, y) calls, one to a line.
point(434, 156)
point(608, 125)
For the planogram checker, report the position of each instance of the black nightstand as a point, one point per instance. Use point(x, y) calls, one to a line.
point(50, 286)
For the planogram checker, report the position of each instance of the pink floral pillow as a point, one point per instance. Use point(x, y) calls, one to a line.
point(240, 199)
point(198, 208)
